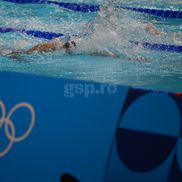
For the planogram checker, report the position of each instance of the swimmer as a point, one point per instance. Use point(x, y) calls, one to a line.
point(109, 15)
point(54, 45)
point(69, 47)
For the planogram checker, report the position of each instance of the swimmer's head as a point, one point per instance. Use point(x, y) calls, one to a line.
point(69, 46)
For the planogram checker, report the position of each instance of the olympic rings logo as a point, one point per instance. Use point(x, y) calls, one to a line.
point(9, 127)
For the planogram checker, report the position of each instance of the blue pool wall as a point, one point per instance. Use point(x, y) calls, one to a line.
point(128, 135)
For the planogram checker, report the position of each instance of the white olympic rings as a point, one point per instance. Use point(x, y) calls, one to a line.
point(9, 125)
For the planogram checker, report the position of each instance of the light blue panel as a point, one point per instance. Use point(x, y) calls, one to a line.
point(118, 172)
point(71, 135)
point(154, 113)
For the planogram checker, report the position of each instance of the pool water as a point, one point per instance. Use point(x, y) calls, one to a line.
point(161, 71)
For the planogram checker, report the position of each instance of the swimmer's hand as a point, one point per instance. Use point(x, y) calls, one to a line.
point(16, 55)
point(138, 59)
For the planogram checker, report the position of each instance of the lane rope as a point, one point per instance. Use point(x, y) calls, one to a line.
point(34, 33)
point(83, 7)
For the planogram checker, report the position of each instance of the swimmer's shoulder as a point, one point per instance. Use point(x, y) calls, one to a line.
point(57, 42)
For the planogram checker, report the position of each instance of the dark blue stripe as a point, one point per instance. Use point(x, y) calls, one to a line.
point(38, 34)
point(161, 13)
point(159, 47)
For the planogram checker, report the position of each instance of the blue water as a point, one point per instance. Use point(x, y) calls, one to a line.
point(162, 71)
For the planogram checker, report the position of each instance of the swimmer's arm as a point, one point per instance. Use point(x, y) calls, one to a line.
point(104, 54)
point(149, 27)
point(109, 54)
point(88, 29)
point(49, 46)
